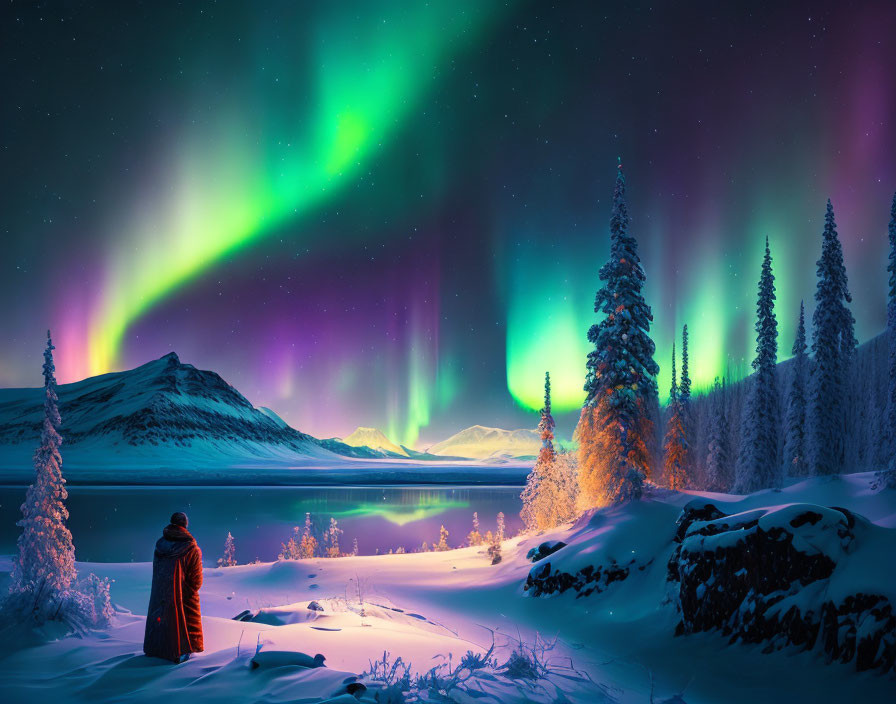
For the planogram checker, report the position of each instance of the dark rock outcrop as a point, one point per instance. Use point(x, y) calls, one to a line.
point(586, 581)
point(763, 577)
point(549, 547)
point(796, 576)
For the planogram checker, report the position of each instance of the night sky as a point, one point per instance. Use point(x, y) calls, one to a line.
point(394, 213)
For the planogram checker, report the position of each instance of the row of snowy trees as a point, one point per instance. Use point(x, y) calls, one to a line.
point(304, 544)
point(823, 414)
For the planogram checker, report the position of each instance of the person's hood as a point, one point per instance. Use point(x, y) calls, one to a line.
point(175, 541)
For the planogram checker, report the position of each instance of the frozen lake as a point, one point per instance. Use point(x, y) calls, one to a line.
point(121, 524)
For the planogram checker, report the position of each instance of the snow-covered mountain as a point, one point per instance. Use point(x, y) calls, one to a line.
point(480, 442)
point(163, 411)
point(273, 415)
point(374, 439)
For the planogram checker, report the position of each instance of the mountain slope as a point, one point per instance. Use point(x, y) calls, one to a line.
point(480, 442)
point(375, 440)
point(160, 409)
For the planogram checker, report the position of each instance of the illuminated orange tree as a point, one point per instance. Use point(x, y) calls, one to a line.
point(614, 428)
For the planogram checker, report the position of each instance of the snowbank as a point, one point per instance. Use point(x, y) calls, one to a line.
point(427, 607)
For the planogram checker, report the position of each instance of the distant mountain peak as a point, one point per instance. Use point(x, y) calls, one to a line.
point(480, 441)
point(375, 439)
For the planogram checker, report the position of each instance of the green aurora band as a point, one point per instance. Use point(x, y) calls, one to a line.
point(235, 179)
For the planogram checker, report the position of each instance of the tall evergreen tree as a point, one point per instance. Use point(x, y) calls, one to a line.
point(890, 439)
point(545, 496)
point(684, 392)
point(675, 446)
point(795, 462)
point(719, 464)
point(758, 466)
point(833, 343)
point(46, 555)
point(614, 430)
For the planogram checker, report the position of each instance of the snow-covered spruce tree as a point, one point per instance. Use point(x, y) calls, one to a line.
point(684, 390)
point(795, 426)
point(684, 398)
point(43, 585)
point(499, 529)
point(475, 537)
point(615, 429)
point(229, 557)
point(757, 465)
point(331, 539)
point(890, 427)
point(46, 555)
point(833, 344)
point(675, 447)
point(719, 462)
point(442, 545)
point(355, 546)
point(539, 495)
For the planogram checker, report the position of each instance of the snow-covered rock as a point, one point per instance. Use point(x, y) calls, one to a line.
point(778, 574)
point(793, 575)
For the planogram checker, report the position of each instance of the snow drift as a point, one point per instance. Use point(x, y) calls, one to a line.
point(800, 575)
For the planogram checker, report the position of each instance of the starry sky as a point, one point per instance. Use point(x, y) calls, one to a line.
point(393, 213)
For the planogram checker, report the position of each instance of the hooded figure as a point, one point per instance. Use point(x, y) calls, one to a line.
point(173, 622)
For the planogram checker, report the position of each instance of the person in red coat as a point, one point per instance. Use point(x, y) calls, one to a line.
point(173, 621)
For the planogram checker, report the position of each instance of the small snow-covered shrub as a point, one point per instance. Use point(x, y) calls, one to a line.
point(78, 609)
point(520, 665)
point(37, 605)
point(395, 677)
point(476, 661)
point(96, 594)
point(530, 674)
point(494, 552)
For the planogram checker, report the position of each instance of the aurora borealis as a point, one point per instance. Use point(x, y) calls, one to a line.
point(393, 214)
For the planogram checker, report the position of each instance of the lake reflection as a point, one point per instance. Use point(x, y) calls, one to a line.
point(121, 524)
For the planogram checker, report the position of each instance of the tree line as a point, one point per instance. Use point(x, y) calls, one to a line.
point(829, 409)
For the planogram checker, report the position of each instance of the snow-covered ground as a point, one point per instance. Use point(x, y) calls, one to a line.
point(423, 607)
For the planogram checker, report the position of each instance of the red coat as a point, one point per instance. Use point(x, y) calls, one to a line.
point(173, 621)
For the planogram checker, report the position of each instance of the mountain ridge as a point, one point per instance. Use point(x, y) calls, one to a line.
point(483, 442)
point(161, 404)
